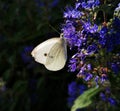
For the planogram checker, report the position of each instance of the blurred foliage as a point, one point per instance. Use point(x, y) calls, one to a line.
point(28, 86)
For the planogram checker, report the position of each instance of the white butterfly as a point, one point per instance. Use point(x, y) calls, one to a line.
point(52, 53)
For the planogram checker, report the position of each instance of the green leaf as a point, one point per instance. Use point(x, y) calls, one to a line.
point(85, 99)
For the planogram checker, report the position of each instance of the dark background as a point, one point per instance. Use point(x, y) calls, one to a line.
point(24, 84)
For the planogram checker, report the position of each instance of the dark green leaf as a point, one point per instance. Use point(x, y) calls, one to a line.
point(85, 99)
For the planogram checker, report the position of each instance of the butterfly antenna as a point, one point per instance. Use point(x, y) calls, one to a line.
point(54, 29)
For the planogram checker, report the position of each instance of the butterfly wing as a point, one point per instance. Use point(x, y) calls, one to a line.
point(57, 56)
point(40, 52)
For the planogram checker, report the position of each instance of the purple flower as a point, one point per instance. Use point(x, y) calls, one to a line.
point(115, 68)
point(81, 40)
point(103, 78)
point(84, 5)
point(116, 24)
point(69, 32)
point(81, 88)
point(79, 43)
point(112, 101)
point(112, 39)
point(91, 49)
point(107, 90)
point(74, 90)
point(96, 79)
point(117, 38)
point(68, 29)
point(103, 36)
point(82, 70)
point(89, 28)
point(70, 101)
point(88, 77)
point(92, 43)
point(93, 3)
point(103, 97)
point(77, 5)
point(103, 32)
point(90, 4)
point(110, 42)
point(72, 13)
point(72, 65)
point(89, 67)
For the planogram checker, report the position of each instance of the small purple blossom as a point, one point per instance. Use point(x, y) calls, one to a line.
point(112, 101)
point(69, 29)
point(115, 68)
point(93, 3)
point(89, 67)
point(72, 87)
point(72, 13)
point(82, 70)
point(72, 65)
point(91, 49)
point(103, 97)
point(70, 33)
point(70, 101)
point(107, 90)
point(116, 24)
point(103, 32)
point(89, 28)
point(96, 79)
point(79, 43)
point(88, 77)
point(103, 78)
point(77, 5)
point(90, 4)
point(74, 90)
point(103, 36)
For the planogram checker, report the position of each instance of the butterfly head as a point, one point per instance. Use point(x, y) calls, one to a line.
point(61, 35)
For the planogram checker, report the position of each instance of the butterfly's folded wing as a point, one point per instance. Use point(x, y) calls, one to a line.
point(57, 56)
point(41, 51)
